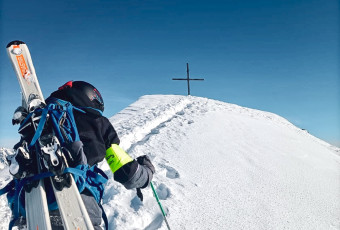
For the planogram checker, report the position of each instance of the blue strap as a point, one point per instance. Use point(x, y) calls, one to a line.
point(25, 121)
point(51, 109)
point(94, 174)
point(98, 110)
point(7, 188)
point(12, 222)
point(40, 126)
point(88, 178)
point(104, 216)
point(18, 207)
point(56, 129)
point(73, 123)
point(97, 175)
point(80, 172)
point(78, 109)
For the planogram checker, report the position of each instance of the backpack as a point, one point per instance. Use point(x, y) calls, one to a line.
point(55, 118)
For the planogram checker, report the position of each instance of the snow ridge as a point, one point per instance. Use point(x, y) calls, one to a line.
point(142, 118)
point(3, 154)
point(146, 119)
point(183, 135)
point(220, 166)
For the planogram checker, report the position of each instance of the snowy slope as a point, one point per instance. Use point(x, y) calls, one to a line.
point(5, 178)
point(221, 166)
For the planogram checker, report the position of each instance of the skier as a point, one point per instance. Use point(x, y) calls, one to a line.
point(98, 140)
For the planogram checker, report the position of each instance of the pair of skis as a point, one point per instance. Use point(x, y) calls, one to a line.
point(71, 207)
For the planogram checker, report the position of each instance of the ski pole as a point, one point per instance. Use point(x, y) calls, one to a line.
point(160, 205)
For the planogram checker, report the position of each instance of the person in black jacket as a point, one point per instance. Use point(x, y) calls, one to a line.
point(99, 140)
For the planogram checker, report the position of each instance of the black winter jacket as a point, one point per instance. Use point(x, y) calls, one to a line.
point(97, 134)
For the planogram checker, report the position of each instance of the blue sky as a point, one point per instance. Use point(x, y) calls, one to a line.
point(280, 56)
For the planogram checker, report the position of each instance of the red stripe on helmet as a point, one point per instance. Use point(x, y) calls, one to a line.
point(66, 85)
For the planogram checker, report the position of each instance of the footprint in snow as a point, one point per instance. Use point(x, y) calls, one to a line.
point(190, 122)
point(156, 223)
point(136, 203)
point(180, 112)
point(163, 192)
point(170, 172)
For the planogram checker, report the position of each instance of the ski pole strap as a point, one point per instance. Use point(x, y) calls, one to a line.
point(140, 194)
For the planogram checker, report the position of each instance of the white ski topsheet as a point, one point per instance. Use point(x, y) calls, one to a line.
point(35, 201)
point(37, 215)
point(73, 211)
point(25, 72)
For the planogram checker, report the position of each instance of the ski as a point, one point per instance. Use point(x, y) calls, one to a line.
point(71, 207)
point(25, 72)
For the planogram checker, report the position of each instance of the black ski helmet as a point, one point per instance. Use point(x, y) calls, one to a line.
point(82, 94)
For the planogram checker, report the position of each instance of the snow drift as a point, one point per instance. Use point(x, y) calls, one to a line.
point(220, 166)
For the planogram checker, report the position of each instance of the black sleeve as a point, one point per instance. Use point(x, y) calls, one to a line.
point(109, 134)
point(131, 175)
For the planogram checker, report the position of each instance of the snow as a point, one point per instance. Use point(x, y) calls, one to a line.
point(5, 178)
point(220, 166)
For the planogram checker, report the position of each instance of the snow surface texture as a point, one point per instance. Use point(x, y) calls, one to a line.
point(5, 178)
point(220, 166)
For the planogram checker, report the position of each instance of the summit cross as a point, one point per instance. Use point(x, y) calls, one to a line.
point(188, 79)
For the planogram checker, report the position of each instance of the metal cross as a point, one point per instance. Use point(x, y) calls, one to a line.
point(188, 79)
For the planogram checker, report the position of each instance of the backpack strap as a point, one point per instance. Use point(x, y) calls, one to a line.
point(93, 179)
point(41, 125)
point(9, 187)
point(60, 112)
point(14, 190)
point(97, 110)
point(104, 216)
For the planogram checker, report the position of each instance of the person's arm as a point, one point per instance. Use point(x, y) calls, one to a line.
point(127, 171)
point(131, 173)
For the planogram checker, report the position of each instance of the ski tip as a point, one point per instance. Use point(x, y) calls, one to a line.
point(16, 42)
